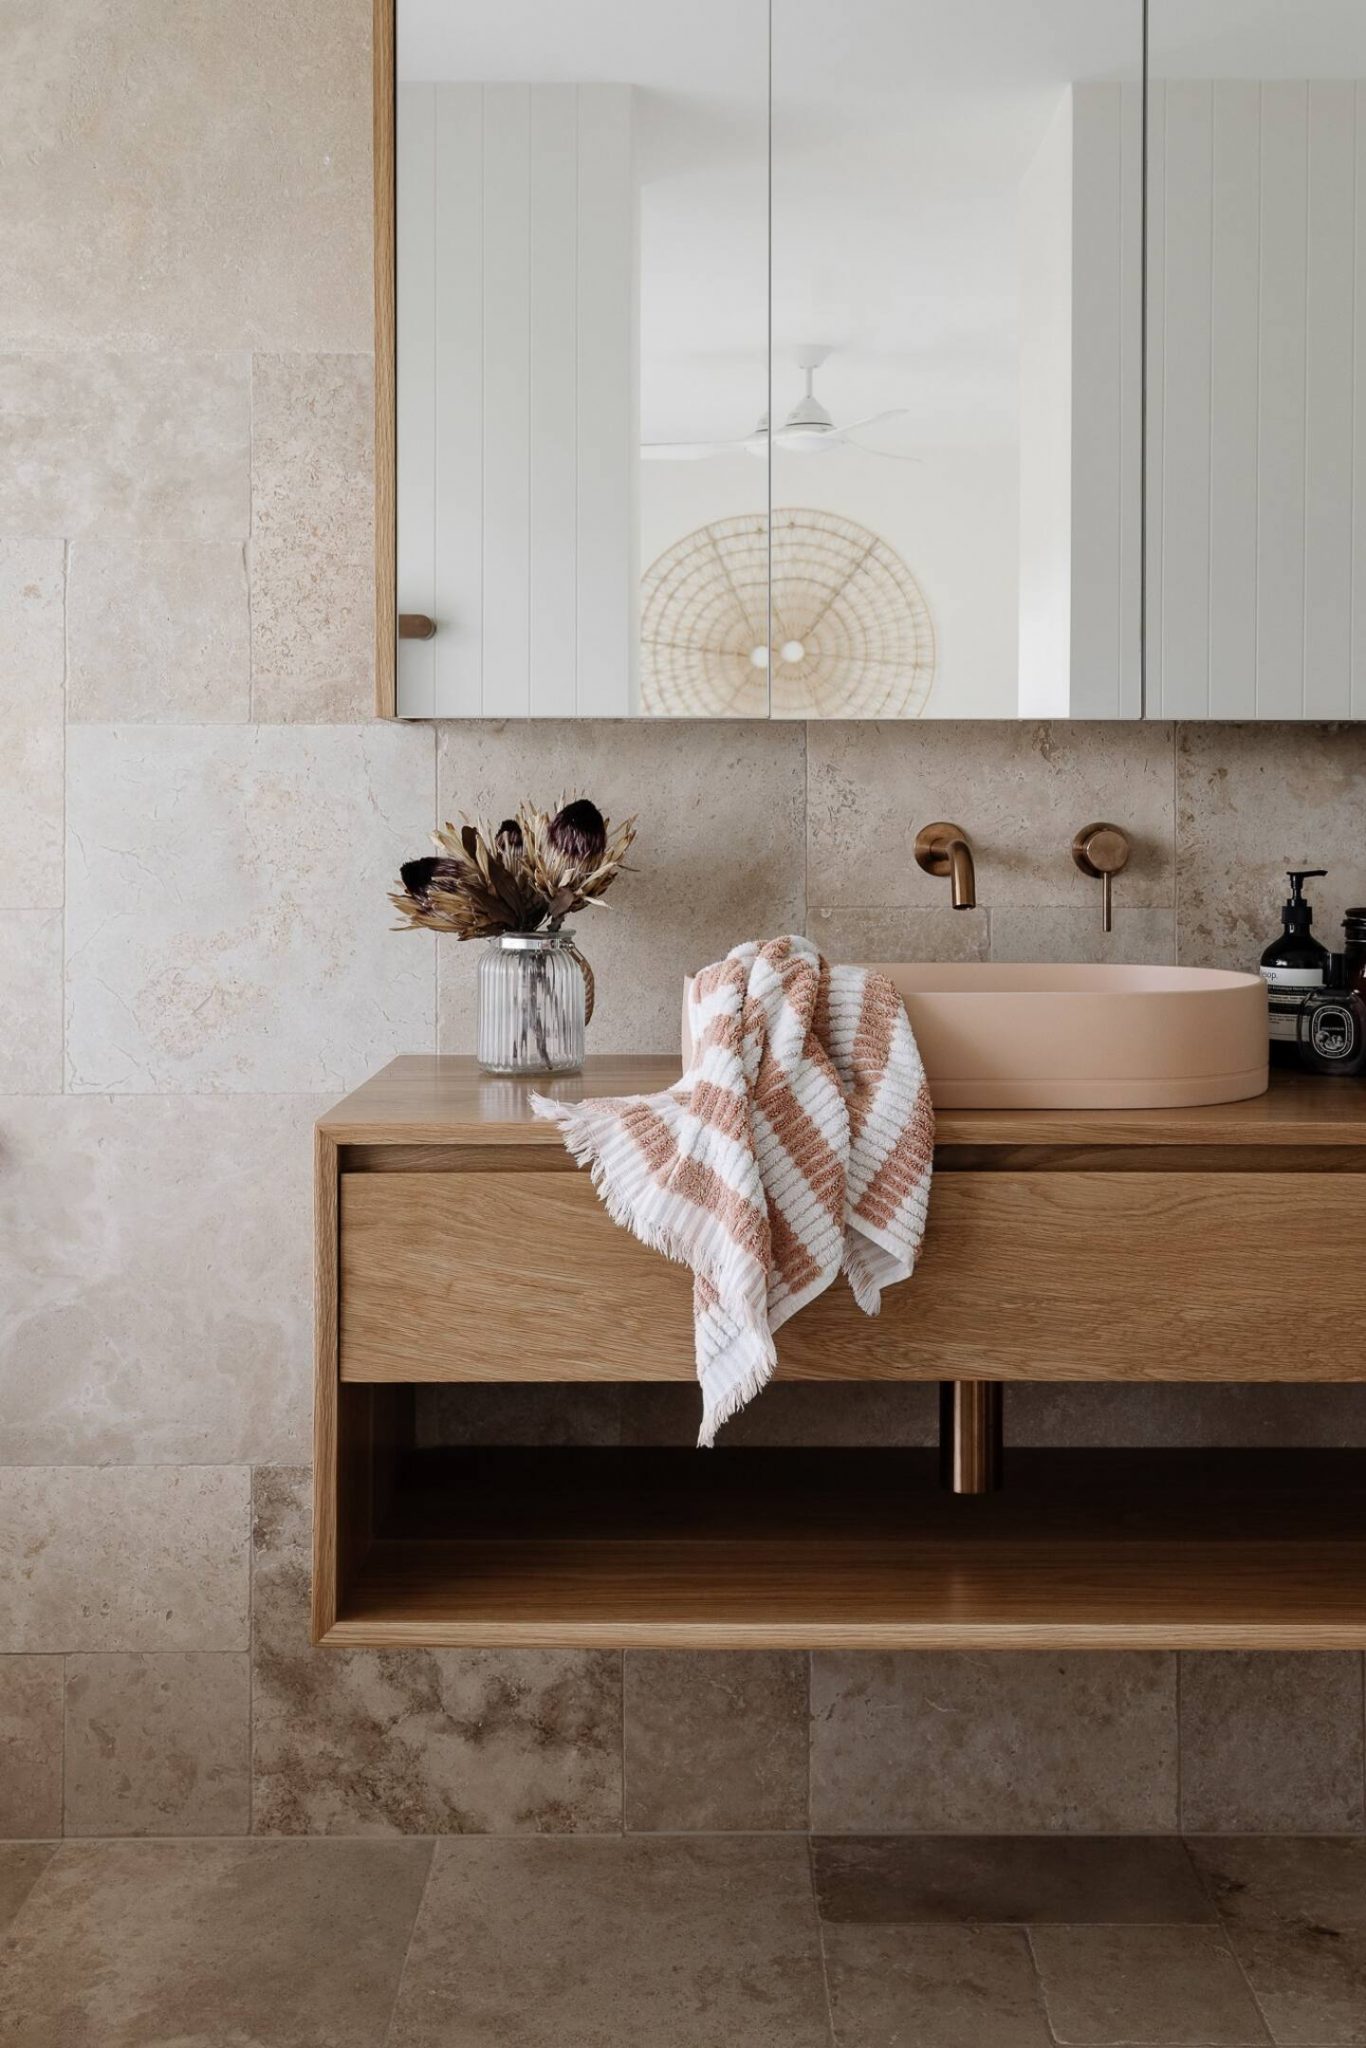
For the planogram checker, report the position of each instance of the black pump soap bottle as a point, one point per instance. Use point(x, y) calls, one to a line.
point(1291, 966)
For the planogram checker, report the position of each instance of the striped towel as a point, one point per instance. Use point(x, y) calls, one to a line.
point(798, 1144)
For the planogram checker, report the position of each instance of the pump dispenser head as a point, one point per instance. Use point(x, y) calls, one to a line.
point(1296, 914)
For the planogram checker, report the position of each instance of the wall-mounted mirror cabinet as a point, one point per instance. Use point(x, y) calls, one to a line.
point(789, 361)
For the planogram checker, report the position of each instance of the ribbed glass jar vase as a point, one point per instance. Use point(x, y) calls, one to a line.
point(531, 1004)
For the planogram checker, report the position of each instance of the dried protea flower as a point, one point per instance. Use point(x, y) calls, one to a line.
point(527, 876)
point(419, 877)
point(579, 832)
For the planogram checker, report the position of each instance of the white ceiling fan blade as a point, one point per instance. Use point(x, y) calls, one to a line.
point(687, 451)
point(874, 420)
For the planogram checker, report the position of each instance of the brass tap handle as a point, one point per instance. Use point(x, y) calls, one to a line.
point(1101, 851)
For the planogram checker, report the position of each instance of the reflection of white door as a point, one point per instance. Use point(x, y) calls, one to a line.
point(1256, 397)
point(518, 429)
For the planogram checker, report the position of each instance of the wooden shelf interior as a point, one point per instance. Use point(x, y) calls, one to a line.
point(861, 1549)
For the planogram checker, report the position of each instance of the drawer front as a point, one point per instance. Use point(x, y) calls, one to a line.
point(1087, 1276)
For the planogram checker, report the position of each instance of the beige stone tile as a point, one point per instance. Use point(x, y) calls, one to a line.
point(21, 1866)
point(512, 1414)
point(1141, 938)
point(1152, 1987)
point(158, 1745)
point(1254, 800)
point(1295, 1912)
point(213, 1944)
point(190, 178)
point(117, 1559)
point(864, 935)
point(30, 1002)
point(312, 558)
point(718, 855)
point(981, 1879)
point(1272, 1417)
point(689, 1943)
point(130, 446)
point(936, 1987)
point(32, 677)
point(155, 1279)
point(421, 1741)
point(1019, 791)
point(228, 928)
point(978, 1744)
point(716, 1742)
point(312, 452)
point(159, 631)
point(312, 634)
point(1271, 1743)
point(30, 1749)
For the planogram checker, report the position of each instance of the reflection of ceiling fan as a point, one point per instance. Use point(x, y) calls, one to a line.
point(808, 427)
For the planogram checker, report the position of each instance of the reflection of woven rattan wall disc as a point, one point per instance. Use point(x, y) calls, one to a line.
point(852, 634)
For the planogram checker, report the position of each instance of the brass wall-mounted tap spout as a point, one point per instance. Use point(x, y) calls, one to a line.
point(944, 849)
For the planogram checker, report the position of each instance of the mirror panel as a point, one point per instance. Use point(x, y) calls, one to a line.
point(957, 208)
point(581, 271)
point(1256, 584)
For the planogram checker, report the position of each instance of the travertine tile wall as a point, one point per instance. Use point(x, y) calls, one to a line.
point(197, 825)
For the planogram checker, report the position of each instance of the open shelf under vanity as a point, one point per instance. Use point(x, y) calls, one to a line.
point(864, 1549)
point(457, 1247)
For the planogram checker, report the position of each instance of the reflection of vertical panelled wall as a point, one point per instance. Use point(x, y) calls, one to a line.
point(1081, 212)
point(1257, 399)
point(517, 399)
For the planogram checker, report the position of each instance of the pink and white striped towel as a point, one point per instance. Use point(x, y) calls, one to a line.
point(798, 1144)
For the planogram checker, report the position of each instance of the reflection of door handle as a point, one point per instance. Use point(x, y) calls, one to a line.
point(415, 626)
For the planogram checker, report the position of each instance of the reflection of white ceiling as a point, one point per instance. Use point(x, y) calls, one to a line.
point(901, 131)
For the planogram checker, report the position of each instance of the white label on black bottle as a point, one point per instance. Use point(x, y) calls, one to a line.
point(1286, 988)
point(1293, 977)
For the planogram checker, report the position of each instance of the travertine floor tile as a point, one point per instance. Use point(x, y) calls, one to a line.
point(30, 1746)
point(1295, 1910)
point(21, 1866)
point(716, 1741)
point(683, 1943)
point(1145, 1987)
point(933, 1987)
point(212, 1945)
point(995, 1878)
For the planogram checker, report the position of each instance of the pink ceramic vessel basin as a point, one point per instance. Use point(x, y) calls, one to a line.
point(1014, 1036)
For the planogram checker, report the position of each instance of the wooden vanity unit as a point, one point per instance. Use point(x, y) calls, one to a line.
point(456, 1241)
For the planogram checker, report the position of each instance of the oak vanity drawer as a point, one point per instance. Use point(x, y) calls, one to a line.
point(1072, 1275)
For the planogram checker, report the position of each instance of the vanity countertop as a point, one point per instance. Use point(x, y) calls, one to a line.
point(443, 1098)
